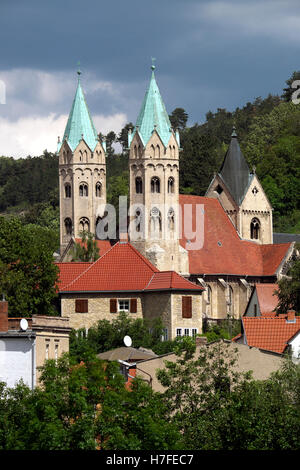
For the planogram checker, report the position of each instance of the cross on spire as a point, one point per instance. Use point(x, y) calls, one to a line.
point(153, 60)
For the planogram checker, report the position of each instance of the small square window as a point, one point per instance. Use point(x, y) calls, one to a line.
point(123, 305)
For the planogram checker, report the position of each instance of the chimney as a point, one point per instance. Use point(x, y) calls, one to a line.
point(291, 316)
point(3, 315)
point(201, 340)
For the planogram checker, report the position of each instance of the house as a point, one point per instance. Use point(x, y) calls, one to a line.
point(278, 334)
point(123, 280)
point(25, 344)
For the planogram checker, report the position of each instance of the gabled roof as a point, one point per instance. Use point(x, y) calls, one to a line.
point(235, 171)
point(223, 251)
point(153, 115)
point(270, 334)
point(123, 268)
point(80, 124)
point(266, 298)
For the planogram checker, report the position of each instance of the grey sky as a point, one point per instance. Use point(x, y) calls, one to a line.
point(209, 54)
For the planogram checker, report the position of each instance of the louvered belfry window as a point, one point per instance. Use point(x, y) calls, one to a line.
point(187, 306)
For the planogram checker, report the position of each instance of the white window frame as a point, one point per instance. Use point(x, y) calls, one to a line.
point(184, 331)
point(123, 309)
point(164, 336)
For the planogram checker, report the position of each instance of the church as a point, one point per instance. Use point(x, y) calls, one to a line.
point(181, 258)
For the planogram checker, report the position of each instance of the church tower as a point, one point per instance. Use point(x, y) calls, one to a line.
point(154, 185)
point(242, 196)
point(82, 173)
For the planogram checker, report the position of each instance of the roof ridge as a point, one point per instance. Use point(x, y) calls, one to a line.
point(89, 267)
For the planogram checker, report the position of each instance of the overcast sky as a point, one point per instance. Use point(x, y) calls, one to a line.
point(209, 54)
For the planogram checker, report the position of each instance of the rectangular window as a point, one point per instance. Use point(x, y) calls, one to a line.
point(187, 307)
point(186, 332)
point(178, 332)
point(164, 336)
point(123, 305)
point(81, 305)
point(194, 332)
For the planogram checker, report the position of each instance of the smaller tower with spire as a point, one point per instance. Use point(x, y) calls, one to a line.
point(82, 173)
point(242, 196)
point(154, 184)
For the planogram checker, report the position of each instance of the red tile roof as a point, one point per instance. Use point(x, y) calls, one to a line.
point(123, 268)
point(270, 334)
point(69, 271)
point(266, 298)
point(223, 251)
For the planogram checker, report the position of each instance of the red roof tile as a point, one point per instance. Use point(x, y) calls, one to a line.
point(266, 298)
point(270, 334)
point(170, 280)
point(223, 251)
point(69, 271)
point(103, 245)
point(123, 268)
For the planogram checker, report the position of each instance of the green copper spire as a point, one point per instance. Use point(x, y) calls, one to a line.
point(80, 124)
point(153, 114)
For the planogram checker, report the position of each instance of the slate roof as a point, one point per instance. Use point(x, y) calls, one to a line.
point(286, 237)
point(235, 171)
point(122, 269)
point(270, 334)
point(223, 251)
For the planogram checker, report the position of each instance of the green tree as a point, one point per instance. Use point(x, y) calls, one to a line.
point(289, 90)
point(28, 274)
point(179, 118)
point(83, 407)
point(85, 250)
point(289, 290)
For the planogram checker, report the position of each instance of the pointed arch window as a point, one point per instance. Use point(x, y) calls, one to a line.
point(209, 294)
point(68, 226)
point(83, 190)
point(255, 229)
point(84, 224)
point(155, 185)
point(98, 189)
point(138, 214)
point(67, 190)
point(171, 185)
point(157, 151)
point(138, 185)
point(155, 222)
point(135, 151)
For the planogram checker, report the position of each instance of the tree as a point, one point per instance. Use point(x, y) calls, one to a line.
point(179, 118)
point(28, 275)
point(123, 136)
point(289, 290)
point(215, 407)
point(84, 406)
point(85, 250)
point(110, 139)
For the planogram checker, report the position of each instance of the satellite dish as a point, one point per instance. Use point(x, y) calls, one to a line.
point(23, 324)
point(127, 341)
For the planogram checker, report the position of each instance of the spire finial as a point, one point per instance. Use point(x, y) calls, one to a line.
point(78, 71)
point(153, 66)
point(233, 134)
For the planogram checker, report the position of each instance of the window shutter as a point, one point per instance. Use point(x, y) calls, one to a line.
point(133, 305)
point(81, 305)
point(113, 305)
point(187, 307)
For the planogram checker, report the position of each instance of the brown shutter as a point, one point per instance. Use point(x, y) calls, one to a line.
point(113, 305)
point(133, 305)
point(81, 305)
point(187, 307)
